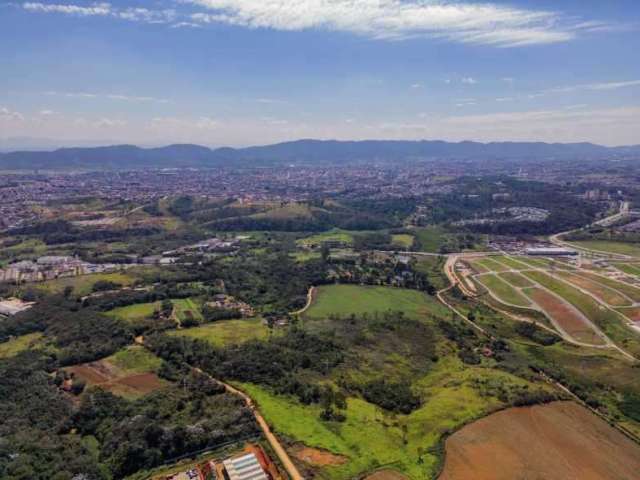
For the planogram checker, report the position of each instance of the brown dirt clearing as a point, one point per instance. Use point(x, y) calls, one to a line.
point(317, 457)
point(559, 441)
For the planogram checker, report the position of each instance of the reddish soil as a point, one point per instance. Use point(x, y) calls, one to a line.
point(104, 375)
point(571, 321)
point(607, 295)
point(316, 457)
point(386, 474)
point(559, 441)
point(632, 314)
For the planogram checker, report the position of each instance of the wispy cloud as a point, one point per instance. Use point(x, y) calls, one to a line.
point(104, 9)
point(593, 87)
point(108, 96)
point(469, 81)
point(6, 114)
point(460, 21)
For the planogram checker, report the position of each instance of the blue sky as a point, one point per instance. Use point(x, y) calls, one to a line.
point(241, 72)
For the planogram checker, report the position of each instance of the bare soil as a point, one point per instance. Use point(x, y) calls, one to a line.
point(104, 375)
point(559, 441)
point(386, 474)
point(317, 457)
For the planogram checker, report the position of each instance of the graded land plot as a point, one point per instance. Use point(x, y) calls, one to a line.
point(477, 266)
point(355, 299)
point(371, 437)
point(130, 373)
point(535, 262)
point(402, 240)
point(503, 291)
point(492, 265)
point(185, 309)
point(18, 344)
point(632, 313)
point(629, 290)
point(226, 332)
point(83, 284)
point(620, 248)
point(133, 313)
point(564, 315)
point(611, 322)
point(510, 262)
point(628, 268)
point(516, 279)
point(559, 441)
point(606, 294)
point(330, 236)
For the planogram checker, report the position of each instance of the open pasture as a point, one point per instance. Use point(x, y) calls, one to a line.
point(132, 313)
point(355, 299)
point(226, 332)
point(560, 441)
point(611, 247)
point(83, 284)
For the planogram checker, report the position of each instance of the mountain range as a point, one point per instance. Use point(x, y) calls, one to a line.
point(315, 152)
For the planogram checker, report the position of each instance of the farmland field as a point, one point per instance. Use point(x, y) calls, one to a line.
point(130, 373)
point(348, 299)
point(503, 291)
point(184, 308)
point(226, 332)
point(132, 313)
point(335, 235)
point(604, 293)
point(566, 317)
point(560, 441)
point(402, 240)
point(83, 284)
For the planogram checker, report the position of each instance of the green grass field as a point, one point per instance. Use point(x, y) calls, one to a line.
point(430, 239)
point(335, 235)
point(629, 290)
point(18, 344)
point(623, 248)
point(132, 313)
point(402, 240)
point(184, 305)
point(226, 332)
point(83, 284)
point(305, 256)
point(503, 291)
point(348, 299)
point(371, 437)
point(512, 263)
point(135, 359)
point(608, 295)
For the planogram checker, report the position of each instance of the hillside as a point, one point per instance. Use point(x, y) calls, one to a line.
point(302, 152)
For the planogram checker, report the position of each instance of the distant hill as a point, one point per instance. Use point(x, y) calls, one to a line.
point(315, 152)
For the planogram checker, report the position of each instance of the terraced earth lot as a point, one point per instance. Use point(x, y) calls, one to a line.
point(563, 315)
point(629, 290)
point(559, 441)
point(516, 279)
point(606, 294)
point(628, 268)
point(503, 291)
point(491, 265)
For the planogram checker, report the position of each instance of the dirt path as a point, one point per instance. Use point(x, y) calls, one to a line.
point(286, 461)
point(311, 294)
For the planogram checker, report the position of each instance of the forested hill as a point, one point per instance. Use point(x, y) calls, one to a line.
point(301, 152)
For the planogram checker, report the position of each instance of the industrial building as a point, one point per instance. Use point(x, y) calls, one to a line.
point(550, 251)
point(246, 467)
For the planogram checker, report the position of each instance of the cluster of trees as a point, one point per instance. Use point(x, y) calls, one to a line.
point(531, 331)
point(392, 396)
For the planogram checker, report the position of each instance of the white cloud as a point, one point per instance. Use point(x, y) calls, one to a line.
point(179, 125)
point(109, 96)
point(9, 115)
point(504, 99)
point(469, 80)
point(99, 9)
point(594, 87)
point(416, 85)
point(46, 113)
point(104, 9)
point(460, 21)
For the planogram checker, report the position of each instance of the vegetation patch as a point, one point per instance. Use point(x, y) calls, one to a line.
point(227, 332)
point(622, 248)
point(84, 284)
point(18, 344)
point(604, 293)
point(136, 312)
point(516, 279)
